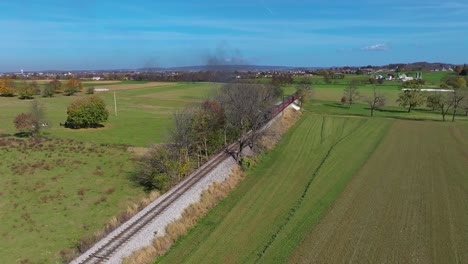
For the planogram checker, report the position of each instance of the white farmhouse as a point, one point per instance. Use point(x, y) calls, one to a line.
point(403, 77)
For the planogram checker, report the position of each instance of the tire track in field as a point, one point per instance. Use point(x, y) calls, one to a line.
point(322, 137)
point(407, 204)
point(310, 130)
point(298, 204)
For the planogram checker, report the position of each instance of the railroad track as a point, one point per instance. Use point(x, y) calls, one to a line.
point(104, 252)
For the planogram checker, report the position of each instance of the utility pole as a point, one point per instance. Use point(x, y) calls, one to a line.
point(115, 104)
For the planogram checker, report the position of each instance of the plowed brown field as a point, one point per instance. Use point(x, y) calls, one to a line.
point(407, 204)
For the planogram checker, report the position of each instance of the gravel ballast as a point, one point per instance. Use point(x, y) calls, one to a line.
point(157, 227)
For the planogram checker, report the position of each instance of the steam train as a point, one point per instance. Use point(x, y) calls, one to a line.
point(275, 110)
point(282, 105)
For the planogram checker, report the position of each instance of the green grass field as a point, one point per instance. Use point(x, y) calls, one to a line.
point(144, 115)
point(55, 191)
point(281, 200)
point(432, 79)
point(326, 99)
point(339, 189)
point(68, 185)
point(407, 204)
point(285, 210)
point(323, 107)
point(100, 83)
point(42, 83)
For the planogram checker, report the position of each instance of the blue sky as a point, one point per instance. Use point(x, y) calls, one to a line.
point(68, 35)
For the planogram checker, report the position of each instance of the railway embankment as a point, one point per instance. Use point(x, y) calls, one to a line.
point(157, 226)
point(151, 222)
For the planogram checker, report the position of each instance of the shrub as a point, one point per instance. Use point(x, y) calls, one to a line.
point(24, 122)
point(247, 162)
point(413, 84)
point(48, 91)
point(35, 86)
point(87, 112)
point(26, 91)
point(157, 169)
point(343, 100)
point(31, 123)
point(73, 86)
point(90, 90)
point(55, 85)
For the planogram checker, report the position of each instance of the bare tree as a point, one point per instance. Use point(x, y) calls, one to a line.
point(464, 105)
point(31, 122)
point(182, 134)
point(441, 101)
point(37, 112)
point(376, 101)
point(431, 101)
point(282, 78)
point(458, 95)
point(246, 107)
point(351, 92)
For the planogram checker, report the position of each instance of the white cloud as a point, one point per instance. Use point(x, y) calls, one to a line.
point(376, 47)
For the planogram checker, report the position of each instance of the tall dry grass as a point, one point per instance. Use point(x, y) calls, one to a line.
point(269, 139)
point(86, 242)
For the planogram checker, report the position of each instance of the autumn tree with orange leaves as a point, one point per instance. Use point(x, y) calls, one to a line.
point(73, 86)
point(7, 87)
point(56, 86)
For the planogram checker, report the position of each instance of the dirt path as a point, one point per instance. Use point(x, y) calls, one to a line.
point(408, 204)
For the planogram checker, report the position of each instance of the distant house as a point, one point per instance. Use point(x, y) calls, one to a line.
point(390, 77)
point(379, 77)
point(404, 78)
point(96, 78)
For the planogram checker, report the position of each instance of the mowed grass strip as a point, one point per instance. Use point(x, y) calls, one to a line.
point(318, 157)
point(408, 204)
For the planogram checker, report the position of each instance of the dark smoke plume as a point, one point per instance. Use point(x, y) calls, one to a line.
point(224, 58)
